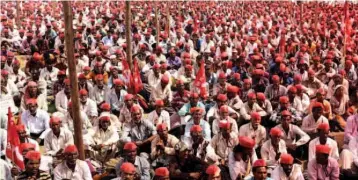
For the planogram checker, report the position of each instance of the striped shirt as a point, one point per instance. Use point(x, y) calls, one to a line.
point(42, 175)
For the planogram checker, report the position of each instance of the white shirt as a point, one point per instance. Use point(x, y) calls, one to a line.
point(108, 137)
point(90, 108)
point(330, 142)
point(61, 101)
point(268, 153)
point(49, 76)
point(240, 167)
point(116, 102)
point(53, 143)
point(353, 148)
point(295, 174)
point(216, 129)
point(98, 95)
point(82, 171)
point(309, 125)
point(291, 136)
point(5, 170)
point(67, 122)
point(259, 135)
point(38, 123)
point(158, 93)
point(162, 118)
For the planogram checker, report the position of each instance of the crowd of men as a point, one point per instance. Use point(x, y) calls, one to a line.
point(222, 90)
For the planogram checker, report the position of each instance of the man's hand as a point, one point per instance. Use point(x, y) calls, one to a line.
point(292, 146)
point(38, 140)
point(59, 153)
point(14, 171)
point(97, 147)
point(139, 143)
point(160, 145)
point(195, 175)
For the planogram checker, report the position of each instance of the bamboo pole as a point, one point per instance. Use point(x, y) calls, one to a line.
point(301, 18)
point(18, 14)
point(157, 23)
point(73, 76)
point(167, 29)
point(128, 22)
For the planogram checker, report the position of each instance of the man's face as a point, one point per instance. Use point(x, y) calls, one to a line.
point(32, 108)
point(163, 134)
point(184, 154)
point(22, 134)
point(83, 98)
point(33, 89)
point(127, 176)
point(71, 158)
point(105, 124)
point(194, 101)
point(196, 136)
point(275, 140)
point(136, 116)
point(323, 135)
point(224, 115)
point(322, 158)
point(55, 126)
point(130, 155)
point(252, 100)
point(260, 173)
point(214, 177)
point(197, 116)
point(67, 88)
point(287, 168)
point(255, 122)
point(220, 103)
point(35, 73)
point(284, 105)
point(317, 112)
point(99, 83)
point(32, 166)
point(159, 109)
point(286, 120)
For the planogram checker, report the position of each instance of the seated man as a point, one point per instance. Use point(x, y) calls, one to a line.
point(213, 172)
point(287, 169)
point(351, 129)
point(63, 97)
point(197, 119)
point(349, 159)
point(311, 121)
point(163, 143)
point(254, 130)
point(24, 137)
point(57, 138)
point(323, 139)
point(130, 156)
point(249, 107)
point(259, 171)
point(105, 110)
point(67, 121)
point(284, 104)
point(162, 91)
point(234, 100)
point(214, 112)
point(159, 115)
point(87, 105)
point(291, 133)
point(115, 96)
point(323, 166)
point(71, 167)
point(32, 167)
point(184, 111)
point(224, 142)
point(241, 158)
point(125, 114)
point(271, 150)
point(224, 116)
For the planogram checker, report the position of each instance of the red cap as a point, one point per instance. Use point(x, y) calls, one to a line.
point(260, 96)
point(194, 95)
point(86, 68)
point(317, 105)
point(165, 79)
point(31, 101)
point(213, 170)
point(297, 77)
point(311, 72)
point(135, 108)
point(4, 73)
point(55, 120)
point(259, 163)
point(105, 106)
point(159, 102)
point(189, 67)
point(286, 113)
point(83, 92)
point(196, 109)
point(128, 97)
point(81, 76)
point(324, 127)
point(130, 146)
point(323, 149)
point(232, 89)
point(162, 172)
point(237, 76)
point(20, 128)
point(99, 77)
point(222, 75)
point(246, 142)
point(70, 149)
point(156, 66)
point(24, 146)
point(286, 159)
point(224, 108)
point(67, 81)
point(31, 84)
point(255, 116)
point(251, 95)
point(127, 168)
point(292, 89)
point(221, 97)
point(283, 99)
point(275, 79)
point(224, 124)
point(161, 127)
point(196, 128)
point(118, 82)
point(105, 118)
point(321, 91)
point(33, 155)
point(275, 132)
point(61, 73)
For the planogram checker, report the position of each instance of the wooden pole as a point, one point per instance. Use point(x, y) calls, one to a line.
point(73, 76)
point(167, 29)
point(157, 23)
point(301, 18)
point(128, 22)
point(18, 14)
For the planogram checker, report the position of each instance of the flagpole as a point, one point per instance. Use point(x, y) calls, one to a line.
point(157, 23)
point(128, 22)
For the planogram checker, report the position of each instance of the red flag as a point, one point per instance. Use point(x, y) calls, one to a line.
point(347, 24)
point(200, 77)
point(126, 71)
point(13, 142)
point(136, 82)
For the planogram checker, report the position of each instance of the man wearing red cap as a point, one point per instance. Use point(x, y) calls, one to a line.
point(197, 115)
point(323, 139)
point(125, 114)
point(259, 171)
point(242, 157)
point(161, 173)
point(8, 87)
point(254, 130)
point(251, 106)
point(274, 91)
point(129, 155)
point(87, 105)
point(63, 97)
point(100, 90)
point(32, 163)
point(293, 135)
point(159, 115)
point(115, 96)
point(181, 96)
point(71, 167)
point(312, 83)
point(67, 121)
point(221, 85)
point(154, 76)
point(57, 138)
point(213, 172)
point(224, 141)
point(264, 103)
point(163, 143)
point(311, 121)
point(224, 116)
point(24, 137)
point(214, 112)
point(184, 111)
point(284, 104)
point(287, 169)
point(234, 100)
point(272, 148)
point(336, 80)
point(323, 166)
point(162, 90)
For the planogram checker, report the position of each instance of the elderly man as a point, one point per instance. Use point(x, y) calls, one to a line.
point(57, 138)
point(67, 121)
point(224, 142)
point(287, 169)
point(323, 139)
point(32, 164)
point(274, 91)
point(184, 111)
point(105, 110)
point(271, 150)
point(254, 130)
point(221, 86)
point(100, 90)
point(163, 143)
point(35, 120)
point(159, 115)
point(127, 172)
point(241, 158)
point(224, 116)
point(130, 156)
point(234, 100)
point(71, 167)
point(125, 114)
point(24, 137)
point(284, 104)
point(63, 97)
point(139, 131)
point(197, 119)
point(214, 112)
point(293, 135)
point(87, 105)
point(249, 107)
point(323, 166)
point(162, 91)
point(115, 96)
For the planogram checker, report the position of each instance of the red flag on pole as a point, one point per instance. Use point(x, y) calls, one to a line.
point(347, 24)
point(136, 82)
point(200, 77)
point(13, 142)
